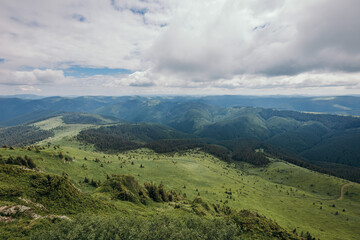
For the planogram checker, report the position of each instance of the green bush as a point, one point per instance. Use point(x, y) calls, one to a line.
point(133, 227)
point(124, 187)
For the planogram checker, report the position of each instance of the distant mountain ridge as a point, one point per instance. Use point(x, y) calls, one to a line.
point(323, 139)
point(152, 109)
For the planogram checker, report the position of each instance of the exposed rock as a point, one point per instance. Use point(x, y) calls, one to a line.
point(12, 210)
point(32, 203)
point(8, 212)
point(57, 216)
point(6, 219)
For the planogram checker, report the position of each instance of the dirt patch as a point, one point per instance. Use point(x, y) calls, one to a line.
point(342, 190)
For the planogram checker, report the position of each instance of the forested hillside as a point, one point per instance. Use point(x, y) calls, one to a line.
point(228, 160)
point(17, 110)
point(325, 140)
point(23, 135)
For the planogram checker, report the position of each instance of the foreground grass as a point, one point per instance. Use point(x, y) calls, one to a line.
point(294, 197)
point(133, 227)
point(30, 199)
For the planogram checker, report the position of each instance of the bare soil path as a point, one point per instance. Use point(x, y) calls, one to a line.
point(342, 190)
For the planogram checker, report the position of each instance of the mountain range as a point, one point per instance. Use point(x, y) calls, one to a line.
point(323, 138)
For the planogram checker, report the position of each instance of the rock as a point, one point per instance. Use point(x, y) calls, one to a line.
point(12, 210)
point(6, 219)
point(32, 203)
point(7, 213)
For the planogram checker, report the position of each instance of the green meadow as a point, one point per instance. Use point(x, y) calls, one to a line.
point(294, 197)
point(297, 199)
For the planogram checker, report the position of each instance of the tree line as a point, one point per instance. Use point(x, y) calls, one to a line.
point(23, 135)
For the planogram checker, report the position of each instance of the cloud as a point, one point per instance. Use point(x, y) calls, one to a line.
point(218, 46)
point(90, 33)
point(335, 82)
point(139, 79)
point(36, 76)
point(136, 79)
point(29, 89)
point(245, 37)
point(292, 83)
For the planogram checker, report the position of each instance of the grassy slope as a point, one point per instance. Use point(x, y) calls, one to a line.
point(50, 123)
point(45, 196)
point(251, 188)
point(280, 191)
point(64, 133)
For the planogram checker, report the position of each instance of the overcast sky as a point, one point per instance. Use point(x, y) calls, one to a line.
point(125, 47)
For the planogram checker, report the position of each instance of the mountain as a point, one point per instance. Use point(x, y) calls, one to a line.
point(185, 165)
point(44, 127)
point(320, 139)
point(316, 138)
point(346, 105)
point(23, 96)
point(23, 110)
point(163, 109)
point(128, 136)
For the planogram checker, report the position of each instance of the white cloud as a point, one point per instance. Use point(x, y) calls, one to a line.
point(45, 34)
point(217, 46)
point(225, 38)
point(31, 89)
point(36, 76)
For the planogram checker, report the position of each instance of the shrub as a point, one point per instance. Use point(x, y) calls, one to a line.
point(159, 227)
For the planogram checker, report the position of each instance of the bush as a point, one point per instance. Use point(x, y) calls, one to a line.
point(26, 161)
point(134, 227)
point(124, 187)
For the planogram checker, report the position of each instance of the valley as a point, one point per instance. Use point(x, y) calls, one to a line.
point(179, 120)
point(300, 200)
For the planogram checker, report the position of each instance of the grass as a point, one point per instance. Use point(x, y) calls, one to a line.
point(280, 191)
point(296, 198)
point(64, 133)
point(50, 123)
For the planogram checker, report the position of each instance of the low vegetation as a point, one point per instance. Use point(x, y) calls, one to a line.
point(83, 118)
point(134, 227)
point(126, 180)
point(22, 161)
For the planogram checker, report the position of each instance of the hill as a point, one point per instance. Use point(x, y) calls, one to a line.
point(156, 109)
point(45, 127)
point(316, 138)
point(327, 141)
point(38, 205)
point(277, 190)
point(190, 161)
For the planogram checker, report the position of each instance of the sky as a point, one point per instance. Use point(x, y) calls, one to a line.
point(187, 47)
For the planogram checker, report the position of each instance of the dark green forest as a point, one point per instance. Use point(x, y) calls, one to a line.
point(23, 135)
point(160, 138)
